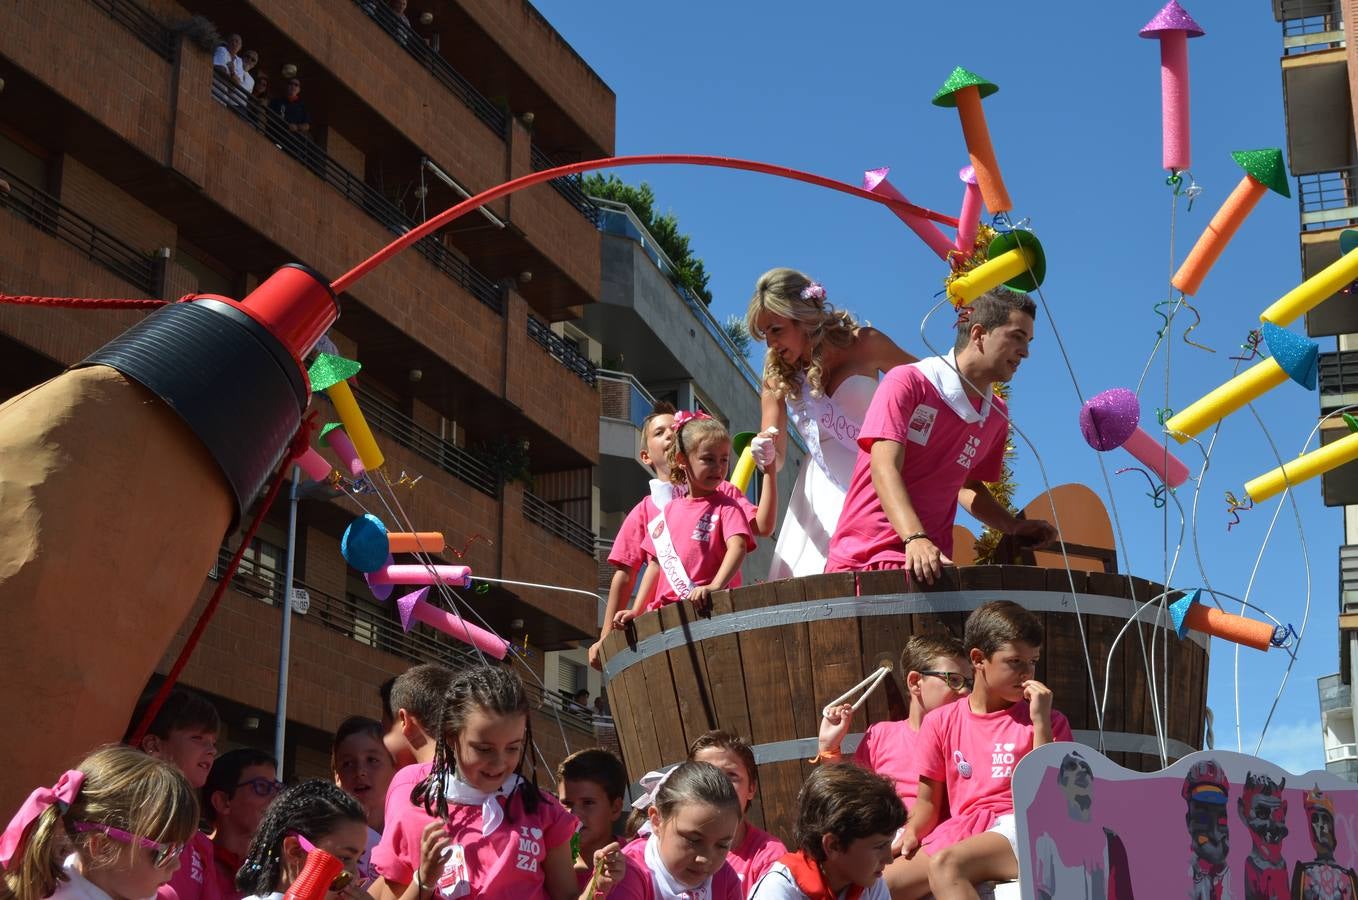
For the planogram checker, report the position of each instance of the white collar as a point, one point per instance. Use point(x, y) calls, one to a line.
point(78, 885)
point(666, 887)
point(942, 373)
point(492, 813)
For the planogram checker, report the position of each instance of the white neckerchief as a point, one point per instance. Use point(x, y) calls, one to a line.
point(492, 813)
point(666, 888)
point(941, 372)
point(662, 492)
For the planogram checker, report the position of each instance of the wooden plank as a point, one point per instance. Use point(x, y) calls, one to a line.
point(689, 671)
point(619, 689)
point(836, 663)
point(1067, 675)
point(797, 657)
point(662, 741)
point(725, 676)
point(941, 623)
point(883, 638)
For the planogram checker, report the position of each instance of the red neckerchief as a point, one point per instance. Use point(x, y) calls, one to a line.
point(811, 880)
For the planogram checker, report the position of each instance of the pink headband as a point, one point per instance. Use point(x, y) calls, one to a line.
point(63, 792)
point(683, 417)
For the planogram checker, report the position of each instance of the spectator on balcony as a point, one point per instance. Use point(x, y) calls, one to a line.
point(403, 27)
point(580, 702)
point(292, 110)
point(224, 61)
point(244, 64)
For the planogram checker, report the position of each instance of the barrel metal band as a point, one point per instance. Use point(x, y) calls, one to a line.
point(885, 605)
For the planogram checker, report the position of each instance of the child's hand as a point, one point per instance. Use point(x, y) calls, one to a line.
point(701, 597)
point(834, 725)
point(906, 844)
point(621, 619)
point(1039, 698)
point(595, 659)
point(610, 867)
point(434, 841)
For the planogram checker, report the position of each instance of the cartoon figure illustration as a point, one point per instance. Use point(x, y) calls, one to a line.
point(1206, 789)
point(1078, 858)
point(1323, 878)
point(454, 882)
point(1263, 809)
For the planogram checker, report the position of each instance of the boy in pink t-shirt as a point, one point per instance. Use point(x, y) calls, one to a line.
point(933, 435)
point(936, 674)
point(966, 753)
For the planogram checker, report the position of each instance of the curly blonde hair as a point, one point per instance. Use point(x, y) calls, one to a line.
point(779, 292)
point(691, 434)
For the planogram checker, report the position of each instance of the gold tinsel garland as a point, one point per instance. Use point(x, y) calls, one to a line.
point(1003, 491)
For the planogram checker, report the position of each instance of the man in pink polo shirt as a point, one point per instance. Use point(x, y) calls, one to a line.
point(933, 434)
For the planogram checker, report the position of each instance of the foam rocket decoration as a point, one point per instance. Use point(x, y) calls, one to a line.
point(178, 423)
point(455, 576)
point(333, 434)
point(416, 541)
point(1188, 614)
point(743, 472)
point(1315, 290)
point(380, 590)
point(965, 90)
point(1303, 468)
point(1173, 26)
point(1111, 419)
point(414, 607)
point(331, 374)
point(969, 218)
point(365, 544)
point(875, 180)
point(1293, 356)
point(1264, 172)
point(1015, 259)
point(316, 467)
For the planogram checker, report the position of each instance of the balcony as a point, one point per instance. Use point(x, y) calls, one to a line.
point(1315, 84)
point(562, 350)
point(624, 405)
point(555, 522)
point(1338, 380)
point(1338, 487)
point(402, 429)
point(567, 186)
point(145, 26)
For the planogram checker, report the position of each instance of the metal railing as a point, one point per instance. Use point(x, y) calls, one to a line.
point(553, 520)
point(1328, 199)
point(1348, 579)
point(143, 24)
point(621, 396)
point(492, 116)
point(1338, 380)
point(378, 627)
point(1341, 752)
point(562, 350)
point(355, 190)
point(45, 212)
point(454, 460)
point(567, 186)
point(1311, 25)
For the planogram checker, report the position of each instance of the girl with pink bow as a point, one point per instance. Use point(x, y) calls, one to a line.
point(113, 827)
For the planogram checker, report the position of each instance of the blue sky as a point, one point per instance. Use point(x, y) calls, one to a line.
point(839, 88)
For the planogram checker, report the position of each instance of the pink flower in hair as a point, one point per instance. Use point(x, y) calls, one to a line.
point(683, 417)
point(813, 291)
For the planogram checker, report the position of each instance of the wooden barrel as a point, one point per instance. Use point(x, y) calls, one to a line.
point(770, 656)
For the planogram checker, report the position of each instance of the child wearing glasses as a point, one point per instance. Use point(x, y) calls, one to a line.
point(113, 827)
point(966, 753)
point(936, 674)
point(238, 791)
point(306, 818)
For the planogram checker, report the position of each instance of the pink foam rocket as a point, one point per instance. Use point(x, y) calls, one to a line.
point(1112, 419)
point(334, 435)
point(875, 180)
point(1173, 26)
point(316, 467)
point(455, 576)
point(414, 607)
point(969, 219)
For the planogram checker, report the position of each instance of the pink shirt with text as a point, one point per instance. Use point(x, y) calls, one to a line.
point(755, 856)
point(394, 857)
point(942, 452)
point(195, 879)
point(699, 529)
point(888, 748)
point(974, 755)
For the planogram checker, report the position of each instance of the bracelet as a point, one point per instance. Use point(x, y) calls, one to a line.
point(831, 755)
point(914, 537)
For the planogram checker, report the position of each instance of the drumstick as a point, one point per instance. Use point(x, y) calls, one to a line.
point(867, 685)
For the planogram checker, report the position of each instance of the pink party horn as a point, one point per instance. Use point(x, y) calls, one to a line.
point(969, 219)
point(875, 180)
point(316, 467)
point(414, 607)
point(1112, 419)
point(456, 576)
point(344, 448)
point(1173, 26)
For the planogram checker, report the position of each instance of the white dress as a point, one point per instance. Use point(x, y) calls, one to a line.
point(830, 425)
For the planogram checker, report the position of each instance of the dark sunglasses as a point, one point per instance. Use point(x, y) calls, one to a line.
point(161, 854)
point(342, 879)
point(263, 787)
point(957, 682)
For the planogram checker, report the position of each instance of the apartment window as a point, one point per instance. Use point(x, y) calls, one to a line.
point(365, 626)
point(570, 676)
point(263, 560)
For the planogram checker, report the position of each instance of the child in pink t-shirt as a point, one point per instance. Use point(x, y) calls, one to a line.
point(591, 784)
point(692, 815)
point(966, 754)
point(936, 674)
point(494, 833)
point(698, 540)
point(753, 850)
point(308, 817)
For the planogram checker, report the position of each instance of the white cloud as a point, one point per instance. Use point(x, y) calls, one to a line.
point(1297, 747)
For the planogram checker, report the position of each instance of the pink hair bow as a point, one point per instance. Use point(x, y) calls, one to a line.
point(63, 792)
point(683, 417)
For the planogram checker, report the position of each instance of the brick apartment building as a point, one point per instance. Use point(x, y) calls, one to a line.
point(126, 177)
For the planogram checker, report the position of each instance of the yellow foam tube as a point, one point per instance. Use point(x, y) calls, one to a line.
point(355, 425)
point(966, 288)
point(1250, 384)
point(1317, 462)
point(1313, 291)
point(743, 471)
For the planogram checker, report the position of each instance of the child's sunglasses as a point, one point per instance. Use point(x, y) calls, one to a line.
point(342, 879)
point(161, 854)
point(957, 682)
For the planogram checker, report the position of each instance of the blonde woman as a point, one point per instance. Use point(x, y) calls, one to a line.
point(820, 372)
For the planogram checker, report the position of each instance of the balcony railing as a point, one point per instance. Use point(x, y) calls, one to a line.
point(451, 458)
point(567, 186)
point(603, 547)
point(1311, 25)
point(1341, 752)
point(45, 212)
point(378, 627)
point(355, 190)
point(1328, 199)
point(562, 350)
point(621, 396)
point(1338, 380)
point(492, 116)
point(143, 24)
point(553, 520)
point(1348, 578)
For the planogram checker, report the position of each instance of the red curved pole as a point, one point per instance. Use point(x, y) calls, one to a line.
point(346, 281)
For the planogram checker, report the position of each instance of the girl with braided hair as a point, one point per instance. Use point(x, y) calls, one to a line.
point(477, 826)
point(821, 371)
point(313, 815)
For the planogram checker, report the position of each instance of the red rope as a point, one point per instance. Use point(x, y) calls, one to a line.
point(81, 302)
point(300, 442)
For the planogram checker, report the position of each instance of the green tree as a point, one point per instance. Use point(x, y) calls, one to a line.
point(688, 269)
